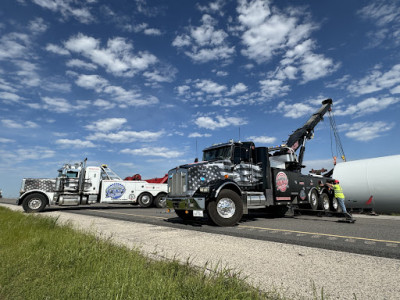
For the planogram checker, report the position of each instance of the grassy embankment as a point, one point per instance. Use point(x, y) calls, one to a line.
point(41, 260)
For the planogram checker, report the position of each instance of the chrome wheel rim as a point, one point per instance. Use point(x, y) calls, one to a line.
point(313, 199)
point(326, 202)
point(163, 201)
point(35, 204)
point(226, 208)
point(335, 204)
point(146, 199)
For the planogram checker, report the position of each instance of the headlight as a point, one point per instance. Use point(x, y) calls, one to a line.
point(204, 189)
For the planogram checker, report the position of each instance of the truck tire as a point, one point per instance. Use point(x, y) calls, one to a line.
point(314, 200)
point(226, 210)
point(145, 200)
point(184, 216)
point(324, 201)
point(335, 205)
point(34, 203)
point(160, 201)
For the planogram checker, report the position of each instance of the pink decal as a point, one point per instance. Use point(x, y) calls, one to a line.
point(282, 182)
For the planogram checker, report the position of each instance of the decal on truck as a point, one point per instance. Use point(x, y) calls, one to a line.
point(115, 191)
point(282, 182)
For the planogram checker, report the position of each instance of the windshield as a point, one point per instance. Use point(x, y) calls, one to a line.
point(217, 154)
point(109, 174)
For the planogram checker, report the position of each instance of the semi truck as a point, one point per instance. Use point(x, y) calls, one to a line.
point(78, 184)
point(235, 177)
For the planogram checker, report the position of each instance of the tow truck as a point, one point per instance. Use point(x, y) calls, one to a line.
point(235, 177)
point(78, 184)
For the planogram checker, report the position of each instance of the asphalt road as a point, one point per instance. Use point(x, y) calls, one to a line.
point(370, 235)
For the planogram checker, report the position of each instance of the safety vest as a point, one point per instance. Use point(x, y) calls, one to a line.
point(338, 191)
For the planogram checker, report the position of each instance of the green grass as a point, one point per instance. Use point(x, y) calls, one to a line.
point(41, 260)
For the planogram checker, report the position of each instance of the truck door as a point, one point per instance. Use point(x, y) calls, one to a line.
point(92, 180)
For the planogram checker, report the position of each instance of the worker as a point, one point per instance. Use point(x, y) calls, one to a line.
point(340, 198)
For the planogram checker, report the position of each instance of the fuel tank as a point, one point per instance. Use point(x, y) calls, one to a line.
point(371, 183)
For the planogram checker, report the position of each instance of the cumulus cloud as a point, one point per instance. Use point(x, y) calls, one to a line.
point(159, 152)
point(107, 125)
point(77, 63)
point(262, 139)
point(117, 93)
point(219, 122)
point(116, 58)
point(376, 80)
point(68, 8)
point(268, 33)
point(77, 143)
point(27, 154)
point(296, 110)
point(386, 17)
point(205, 42)
point(126, 136)
point(367, 106)
point(5, 141)
point(365, 131)
point(18, 125)
point(198, 135)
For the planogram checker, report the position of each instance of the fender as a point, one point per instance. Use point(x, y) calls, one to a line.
point(22, 197)
point(217, 186)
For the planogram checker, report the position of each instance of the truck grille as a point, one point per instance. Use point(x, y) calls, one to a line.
point(177, 182)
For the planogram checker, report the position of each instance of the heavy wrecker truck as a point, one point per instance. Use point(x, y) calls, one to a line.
point(237, 176)
point(78, 184)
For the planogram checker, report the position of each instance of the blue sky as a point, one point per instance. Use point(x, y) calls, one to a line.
point(137, 84)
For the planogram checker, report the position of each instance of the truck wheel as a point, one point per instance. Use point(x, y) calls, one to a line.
point(324, 201)
point(335, 205)
point(34, 203)
point(314, 200)
point(226, 210)
point(145, 200)
point(184, 216)
point(160, 200)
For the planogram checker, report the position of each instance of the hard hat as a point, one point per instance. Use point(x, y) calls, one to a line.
point(336, 181)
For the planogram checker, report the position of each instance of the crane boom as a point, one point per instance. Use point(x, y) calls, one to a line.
point(298, 138)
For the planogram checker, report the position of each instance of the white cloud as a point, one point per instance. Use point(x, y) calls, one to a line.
point(220, 122)
point(94, 82)
point(365, 131)
point(273, 87)
point(269, 33)
point(10, 97)
point(198, 135)
point(75, 143)
point(37, 26)
point(376, 81)
point(18, 125)
point(160, 152)
point(56, 49)
point(104, 104)
point(107, 125)
point(209, 86)
point(77, 63)
point(14, 45)
point(27, 154)
point(5, 141)
point(237, 89)
point(205, 43)
point(386, 16)
point(262, 139)
point(117, 57)
point(59, 105)
point(367, 106)
point(152, 31)
point(126, 136)
point(296, 110)
point(68, 8)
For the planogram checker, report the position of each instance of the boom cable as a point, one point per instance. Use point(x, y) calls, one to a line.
point(339, 146)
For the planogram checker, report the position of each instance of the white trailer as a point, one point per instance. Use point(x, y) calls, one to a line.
point(371, 183)
point(78, 184)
